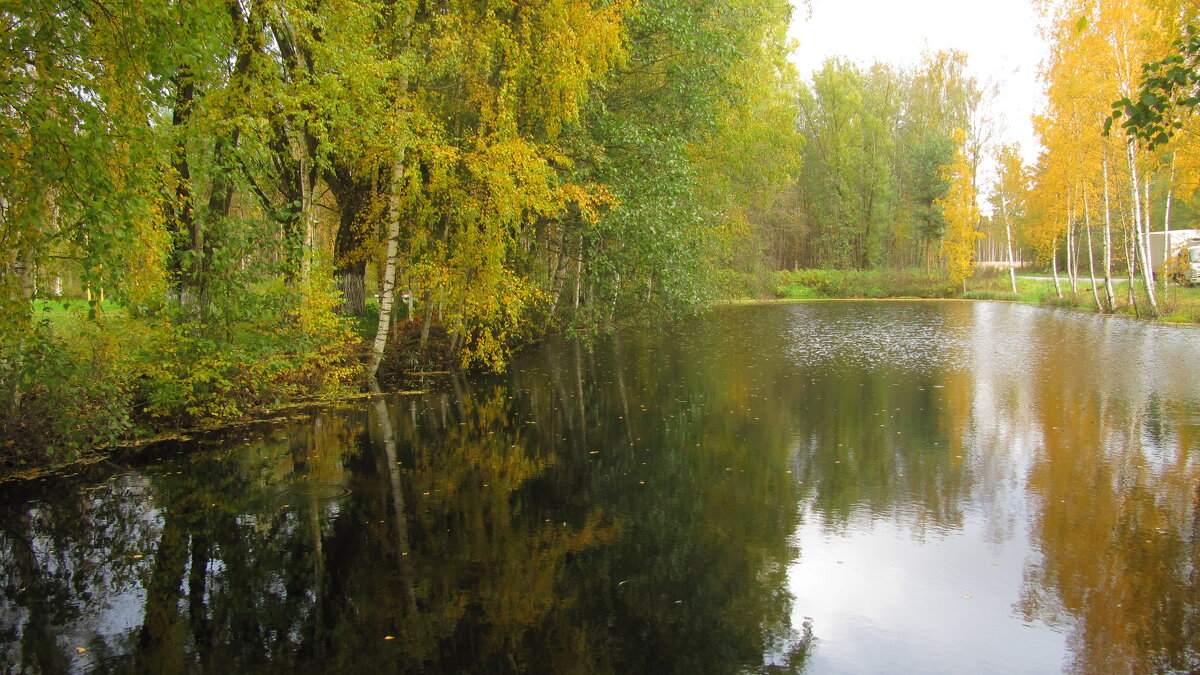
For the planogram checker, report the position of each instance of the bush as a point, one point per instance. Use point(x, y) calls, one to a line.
point(298, 349)
point(70, 383)
point(60, 398)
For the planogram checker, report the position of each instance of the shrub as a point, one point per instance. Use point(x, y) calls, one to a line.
point(298, 349)
point(60, 398)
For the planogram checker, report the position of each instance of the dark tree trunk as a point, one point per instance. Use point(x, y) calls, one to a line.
point(353, 191)
point(180, 212)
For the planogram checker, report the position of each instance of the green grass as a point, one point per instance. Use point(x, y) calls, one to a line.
point(798, 292)
point(68, 312)
point(1177, 304)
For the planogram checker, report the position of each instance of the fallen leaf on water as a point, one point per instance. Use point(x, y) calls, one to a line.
point(80, 650)
point(388, 637)
point(967, 596)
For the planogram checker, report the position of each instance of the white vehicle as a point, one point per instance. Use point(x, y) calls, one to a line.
point(1193, 262)
point(1182, 243)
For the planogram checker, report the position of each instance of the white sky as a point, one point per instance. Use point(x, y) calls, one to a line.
point(1000, 38)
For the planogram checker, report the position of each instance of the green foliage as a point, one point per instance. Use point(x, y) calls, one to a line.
point(960, 209)
point(934, 151)
point(1168, 92)
point(876, 142)
point(73, 383)
point(567, 163)
point(677, 134)
point(848, 177)
point(293, 347)
point(61, 399)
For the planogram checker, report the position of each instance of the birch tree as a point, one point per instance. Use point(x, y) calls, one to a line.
point(962, 215)
point(1008, 198)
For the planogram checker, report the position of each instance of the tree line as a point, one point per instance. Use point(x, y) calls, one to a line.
point(1099, 190)
point(884, 146)
point(877, 141)
point(241, 175)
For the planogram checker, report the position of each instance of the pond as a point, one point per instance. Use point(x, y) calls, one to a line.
point(833, 487)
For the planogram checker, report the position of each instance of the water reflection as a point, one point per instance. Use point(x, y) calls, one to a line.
point(1059, 483)
point(833, 487)
point(570, 519)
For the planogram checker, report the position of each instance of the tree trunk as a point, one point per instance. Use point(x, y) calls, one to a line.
point(161, 639)
point(351, 281)
point(578, 274)
point(1146, 209)
point(1087, 220)
point(387, 289)
point(427, 309)
point(1054, 266)
point(352, 189)
point(1071, 252)
point(399, 509)
point(1141, 249)
point(306, 205)
point(180, 213)
point(1131, 271)
point(1108, 283)
point(1167, 215)
point(34, 592)
point(1012, 270)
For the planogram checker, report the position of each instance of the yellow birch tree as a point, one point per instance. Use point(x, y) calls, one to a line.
point(961, 214)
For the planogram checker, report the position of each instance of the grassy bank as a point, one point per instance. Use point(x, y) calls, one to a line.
point(85, 376)
point(1177, 304)
point(817, 284)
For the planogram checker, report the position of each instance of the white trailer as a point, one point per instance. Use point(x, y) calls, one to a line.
point(1164, 245)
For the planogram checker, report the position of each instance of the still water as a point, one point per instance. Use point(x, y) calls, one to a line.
point(841, 487)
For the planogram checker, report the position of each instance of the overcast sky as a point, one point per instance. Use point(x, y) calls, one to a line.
point(1000, 38)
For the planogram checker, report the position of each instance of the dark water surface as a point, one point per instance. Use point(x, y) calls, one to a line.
point(849, 487)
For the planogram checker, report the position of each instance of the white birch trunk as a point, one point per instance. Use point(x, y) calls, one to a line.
point(1108, 282)
point(1012, 270)
point(306, 201)
point(1167, 213)
point(1054, 266)
point(1071, 246)
point(1131, 270)
point(1141, 249)
point(387, 292)
point(1087, 224)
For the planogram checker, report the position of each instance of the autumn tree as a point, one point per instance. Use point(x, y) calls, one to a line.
point(961, 213)
point(1097, 52)
point(1008, 200)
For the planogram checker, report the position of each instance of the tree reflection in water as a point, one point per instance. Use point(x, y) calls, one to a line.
point(643, 505)
point(572, 520)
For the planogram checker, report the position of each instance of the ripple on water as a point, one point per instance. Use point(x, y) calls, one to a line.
point(878, 335)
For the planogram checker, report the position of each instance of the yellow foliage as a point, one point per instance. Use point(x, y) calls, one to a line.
point(961, 213)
